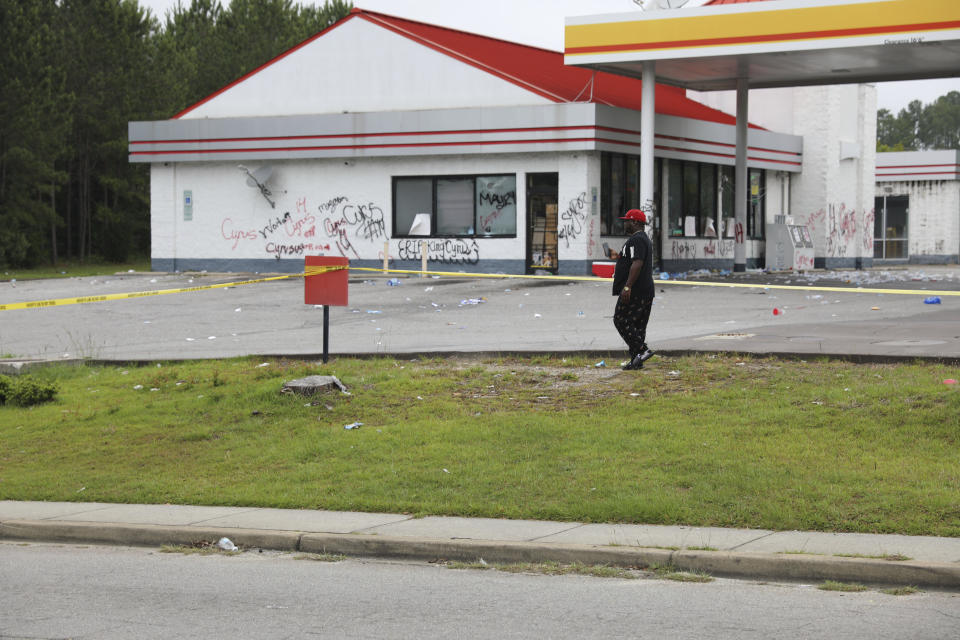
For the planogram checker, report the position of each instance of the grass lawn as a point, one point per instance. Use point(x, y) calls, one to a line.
point(710, 441)
point(74, 270)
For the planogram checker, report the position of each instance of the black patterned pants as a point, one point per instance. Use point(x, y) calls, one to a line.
point(631, 319)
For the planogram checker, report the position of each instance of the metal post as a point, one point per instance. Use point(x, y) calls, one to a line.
point(740, 180)
point(423, 258)
point(326, 332)
point(647, 111)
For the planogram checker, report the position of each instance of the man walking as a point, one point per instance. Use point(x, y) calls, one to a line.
point(633, 284)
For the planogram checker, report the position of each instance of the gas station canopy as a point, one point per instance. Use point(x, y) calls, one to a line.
point(774, 43)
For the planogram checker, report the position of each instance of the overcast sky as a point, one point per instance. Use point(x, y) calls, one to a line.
point(540, 23)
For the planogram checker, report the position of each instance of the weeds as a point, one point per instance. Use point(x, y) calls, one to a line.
point(846, 587)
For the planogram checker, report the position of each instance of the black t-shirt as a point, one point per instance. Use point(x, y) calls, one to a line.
point(637, 247)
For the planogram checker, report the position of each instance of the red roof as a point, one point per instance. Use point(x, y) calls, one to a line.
point(538, 70)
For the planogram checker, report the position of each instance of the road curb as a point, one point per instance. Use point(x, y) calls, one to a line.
point(762, 566)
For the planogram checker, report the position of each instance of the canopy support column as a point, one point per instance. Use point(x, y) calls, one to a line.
point(740, 179)
point(647, 113)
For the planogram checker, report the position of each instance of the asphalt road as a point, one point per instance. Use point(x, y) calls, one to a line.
point(475, 315)
point(53, 591)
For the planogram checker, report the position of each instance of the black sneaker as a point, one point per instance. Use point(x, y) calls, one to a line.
point(645, 355)
point(634, 364)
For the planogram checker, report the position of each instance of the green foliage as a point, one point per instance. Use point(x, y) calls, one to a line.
point(73, 73)
point(26, 391)
point(5, 386)
point(919, 126)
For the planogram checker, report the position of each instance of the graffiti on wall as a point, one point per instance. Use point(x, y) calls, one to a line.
point(840, 229)
point(691, 250)
point(444, 251)
point(296, 233)
point(572, 218)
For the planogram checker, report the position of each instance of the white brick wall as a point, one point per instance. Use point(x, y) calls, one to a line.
point(933, 220)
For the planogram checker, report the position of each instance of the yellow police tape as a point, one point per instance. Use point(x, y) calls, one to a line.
point(317, 270)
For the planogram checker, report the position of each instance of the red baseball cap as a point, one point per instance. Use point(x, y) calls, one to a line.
point(635, 214)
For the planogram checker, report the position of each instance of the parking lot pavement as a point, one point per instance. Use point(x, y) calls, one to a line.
point(462, 314)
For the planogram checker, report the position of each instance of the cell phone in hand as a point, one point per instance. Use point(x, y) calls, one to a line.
point(606, 249)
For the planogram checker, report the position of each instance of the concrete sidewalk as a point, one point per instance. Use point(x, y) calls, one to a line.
point(757, 554)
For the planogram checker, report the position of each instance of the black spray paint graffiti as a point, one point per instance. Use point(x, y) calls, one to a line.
point(688, 249)
point(343, 220)
point(275, 224)
point(681, 250)
point(499, 201)
point(572, 219)
point(451, 251)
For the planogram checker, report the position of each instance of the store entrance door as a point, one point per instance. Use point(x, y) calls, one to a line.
point(542, 204)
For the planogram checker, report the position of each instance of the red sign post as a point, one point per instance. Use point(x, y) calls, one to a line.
point(325, 281)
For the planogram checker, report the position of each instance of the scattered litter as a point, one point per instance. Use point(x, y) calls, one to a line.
point(238, 310)
point(949, 381)
point(353, 425)
point(419, 397)
point(227, 545)
point(776, 311)
point(190, 339)
point(153, 281)
point(580, 314)
point(428, 289)
point(147, 322)
point(932, 300)
point(537, 315)
point(137, 387)
point(374, 311)
point(674, 373)
point(155, 389)
point(211, 337)
point(664, 276)
point(602, 363)
point(817, 402)
point(741, 364)
point(470, 301)
point(634, 394)
point(483, 562)
point(874, 308)
point(393, 282)
point(507, 290)
point(445, 471)
point(263, 364)
point(81, 489)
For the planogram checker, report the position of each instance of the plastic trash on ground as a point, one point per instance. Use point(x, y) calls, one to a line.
point(393, 282)
point(932, 300)
point(602, 363)
point(949, 381)
point(353, 425)
point(227, 545)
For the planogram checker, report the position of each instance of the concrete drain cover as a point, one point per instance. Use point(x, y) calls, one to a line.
point(726, 336)
point(910, 343)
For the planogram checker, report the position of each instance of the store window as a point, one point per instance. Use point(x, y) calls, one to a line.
point(890, 227)
point(699, 200)
point(620, 189)
point(458, 206)
point(692, 199)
